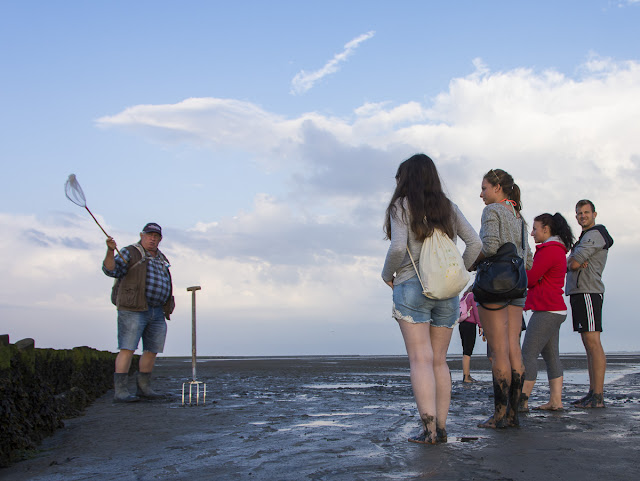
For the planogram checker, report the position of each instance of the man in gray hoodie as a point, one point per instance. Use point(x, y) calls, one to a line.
point(584, 286)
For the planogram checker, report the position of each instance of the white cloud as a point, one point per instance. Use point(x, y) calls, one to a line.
point(307, 262)
point(304, 81)
point(63, 287)
point(524, 121)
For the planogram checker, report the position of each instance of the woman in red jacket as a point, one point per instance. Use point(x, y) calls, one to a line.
point(554, 239)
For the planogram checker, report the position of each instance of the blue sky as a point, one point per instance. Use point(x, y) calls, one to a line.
point(264, 137)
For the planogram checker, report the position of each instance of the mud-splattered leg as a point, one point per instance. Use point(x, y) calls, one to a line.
point(583, 398)
point(523, 406)
point(595, 401)
point(501, 401)
point(441, 435)
point(515, 391)
point(428, 434)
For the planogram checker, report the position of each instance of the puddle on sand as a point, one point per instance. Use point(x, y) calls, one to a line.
point(463, 439)
point(324, 424)
point(615, 372)
point(322, 415)
point(345, 385)
point(403, 373)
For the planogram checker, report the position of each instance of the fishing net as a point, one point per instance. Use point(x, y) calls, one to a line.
point(74, 193)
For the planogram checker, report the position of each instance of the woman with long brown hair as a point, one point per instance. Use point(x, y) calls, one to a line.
point(417, 207)
point(502, 321)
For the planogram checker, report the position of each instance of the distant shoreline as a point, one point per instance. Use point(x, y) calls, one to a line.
point(566, 355)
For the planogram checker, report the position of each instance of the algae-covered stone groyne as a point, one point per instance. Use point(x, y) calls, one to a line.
point(41, 387)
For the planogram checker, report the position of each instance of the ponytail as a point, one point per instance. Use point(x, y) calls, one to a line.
point(558, 226)
point(515, 196)
point(509, 187)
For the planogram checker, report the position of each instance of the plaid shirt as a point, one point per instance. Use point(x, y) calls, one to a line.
point(158, 284)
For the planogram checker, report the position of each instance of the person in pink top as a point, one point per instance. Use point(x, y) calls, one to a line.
point(554, 239)
point(469, 319)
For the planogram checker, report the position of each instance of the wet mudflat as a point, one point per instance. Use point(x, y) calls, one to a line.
point(335, 418)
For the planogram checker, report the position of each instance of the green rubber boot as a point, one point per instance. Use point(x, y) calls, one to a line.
point(122, 395)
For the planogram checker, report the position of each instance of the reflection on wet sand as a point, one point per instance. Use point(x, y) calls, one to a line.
point(334, 418)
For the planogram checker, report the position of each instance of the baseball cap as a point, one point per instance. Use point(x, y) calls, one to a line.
point(152, 227)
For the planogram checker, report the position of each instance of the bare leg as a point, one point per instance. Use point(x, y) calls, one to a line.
point(417, 340)
point(515, 358)
point(589, 366)
point(495, 325)
point(440, 339)
point(523, 407)
point(123, 361)
point(597, 368)
point(466, 370)
point(555, 397)
point(597, 358)
point(147, 361)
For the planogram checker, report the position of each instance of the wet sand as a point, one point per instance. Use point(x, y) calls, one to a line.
point(341, 418)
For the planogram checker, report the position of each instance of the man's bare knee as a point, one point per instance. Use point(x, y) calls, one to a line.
point(591, 341)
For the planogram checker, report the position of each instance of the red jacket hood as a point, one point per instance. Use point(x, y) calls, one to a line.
point(551, 244)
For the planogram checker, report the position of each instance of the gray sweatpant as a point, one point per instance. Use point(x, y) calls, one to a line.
point(542, 337)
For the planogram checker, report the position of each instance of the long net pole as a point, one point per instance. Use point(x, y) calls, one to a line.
point(75, 194)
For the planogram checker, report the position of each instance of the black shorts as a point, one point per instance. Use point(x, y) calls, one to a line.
point(587, 312)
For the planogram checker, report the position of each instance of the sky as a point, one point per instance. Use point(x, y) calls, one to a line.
point(264, 138)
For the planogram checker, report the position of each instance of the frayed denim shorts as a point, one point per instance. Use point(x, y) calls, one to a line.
point(410, 305)
point(148, 325)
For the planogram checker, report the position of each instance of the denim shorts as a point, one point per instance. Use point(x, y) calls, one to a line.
point(411, 305)
point(148, 325)
point(519, 302)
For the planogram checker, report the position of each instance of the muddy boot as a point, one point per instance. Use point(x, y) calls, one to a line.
point(122, 394)
point(515, 392)
point(143, 380)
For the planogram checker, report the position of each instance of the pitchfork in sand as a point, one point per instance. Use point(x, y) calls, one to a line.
point(194, 382)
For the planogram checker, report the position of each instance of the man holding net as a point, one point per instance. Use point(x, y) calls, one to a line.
point(143, 296)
